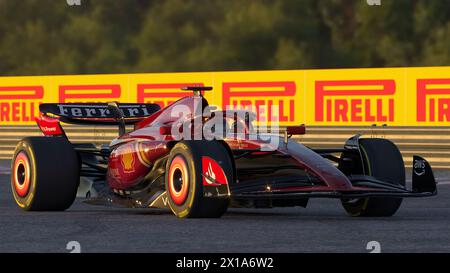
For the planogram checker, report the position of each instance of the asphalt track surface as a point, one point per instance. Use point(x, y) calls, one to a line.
point(421, 225)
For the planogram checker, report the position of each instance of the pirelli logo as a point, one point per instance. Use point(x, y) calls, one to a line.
point(89, 93)
point(433, 100)
point(417, 96)
point(355, 101)
point(20, 103)
point(163, 94)
point(261, 97)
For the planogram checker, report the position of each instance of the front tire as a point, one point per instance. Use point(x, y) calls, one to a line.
point(382, 160)
point(45, 174)
point(184, 179)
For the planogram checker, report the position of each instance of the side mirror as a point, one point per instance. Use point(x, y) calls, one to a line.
point(293, 130)
point(296, 130)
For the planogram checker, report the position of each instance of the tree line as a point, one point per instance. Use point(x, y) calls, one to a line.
point(39, 37)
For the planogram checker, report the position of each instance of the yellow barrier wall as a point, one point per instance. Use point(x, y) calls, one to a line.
point(392, 96)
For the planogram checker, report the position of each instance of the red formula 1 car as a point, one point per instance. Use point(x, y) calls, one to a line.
point(198, 161)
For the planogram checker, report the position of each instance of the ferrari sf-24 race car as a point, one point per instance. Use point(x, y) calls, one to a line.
point(197, 161)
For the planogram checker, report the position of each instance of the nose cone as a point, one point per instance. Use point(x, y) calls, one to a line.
point(318, 165)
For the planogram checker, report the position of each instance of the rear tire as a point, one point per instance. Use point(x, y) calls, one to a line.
point(184, 180)
point(382, 160)
point(45, 174)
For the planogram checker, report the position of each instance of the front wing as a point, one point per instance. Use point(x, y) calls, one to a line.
point(363, 186)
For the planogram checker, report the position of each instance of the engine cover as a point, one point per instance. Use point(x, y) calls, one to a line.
point(130, 162)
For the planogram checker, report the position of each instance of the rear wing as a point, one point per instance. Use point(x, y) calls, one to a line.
point(97, 113)
point(90, 114)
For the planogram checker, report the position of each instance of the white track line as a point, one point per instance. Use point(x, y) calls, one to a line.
point(440, 181)
point(4, 170)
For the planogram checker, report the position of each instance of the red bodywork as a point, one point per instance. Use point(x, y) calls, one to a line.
point(135, 152)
